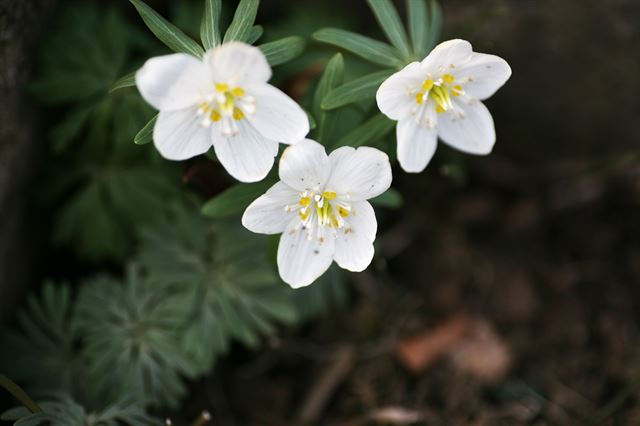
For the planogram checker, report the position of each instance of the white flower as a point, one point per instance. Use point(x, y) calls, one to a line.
point(440, 97)
point(320, 208)
point(222, 100)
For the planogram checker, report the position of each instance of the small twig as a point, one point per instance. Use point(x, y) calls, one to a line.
point(326, 385)
point(202, 419)
point(19, 394)
point(614, 405)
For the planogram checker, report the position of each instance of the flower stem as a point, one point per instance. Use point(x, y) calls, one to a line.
point(19, 394)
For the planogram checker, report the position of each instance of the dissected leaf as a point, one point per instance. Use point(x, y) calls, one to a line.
point(220, 274)
point(73, 67)
point(131, 340)
point(46, 340)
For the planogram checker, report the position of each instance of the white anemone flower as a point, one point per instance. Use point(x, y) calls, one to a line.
point(222, 100)
point(320, 207)
point(440, 97)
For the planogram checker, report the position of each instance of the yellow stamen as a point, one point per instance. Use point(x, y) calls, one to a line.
point(427, 84)
point(215, 116)
point(343, 212)
point(448, 78)
point(439, 109)
point(304, 201)
point(222, 87)
point(456, 90)
point(329, 195)
point(419, 98)
point(237, 114)
point(334, 222)
point(237, 92)
point(304, 215)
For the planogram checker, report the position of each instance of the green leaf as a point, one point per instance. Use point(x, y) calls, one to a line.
point(435, 26)
point(243, 19)
point(256, 33)
point(356, 90)
point(372, 129)
point(283, 50)
point(220, 271)
point(210, 25)
point(365, 47)
point(235, 199)
point(312, 121)
point(418, 17)
point(148, 365)
point(388, 18)
point(166, 32)
point(46, 341)
point(69, 128)
point(391, 198)
point(145, 135)
point(333, 76)
point(124, 81)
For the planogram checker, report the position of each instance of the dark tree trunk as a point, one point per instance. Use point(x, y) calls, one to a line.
point(21, 145)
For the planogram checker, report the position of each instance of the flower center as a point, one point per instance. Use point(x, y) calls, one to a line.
point(227, 105)
point(323, 209)
point(439, 91)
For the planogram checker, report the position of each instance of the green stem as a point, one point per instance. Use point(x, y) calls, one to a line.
point(19, 394)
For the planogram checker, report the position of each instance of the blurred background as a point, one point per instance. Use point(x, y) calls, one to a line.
point(505, 289)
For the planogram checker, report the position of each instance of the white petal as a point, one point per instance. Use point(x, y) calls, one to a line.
point(354, 243)
point(277, 116)
point(172, 81)
point(247, 156)
point(487, 73)
point(474, 133)
point(360, 174)
point(237, 62)
point(451, 52)
point(305, 165)
point(394, 96)
point(301, 260)
point(267, 214)
point(416, 145)
point(178, 134)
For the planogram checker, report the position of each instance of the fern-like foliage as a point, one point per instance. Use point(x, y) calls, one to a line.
point(66, 412)
point(220, 274)
point(43, 354)
point(106, 184)
point(130, 337)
